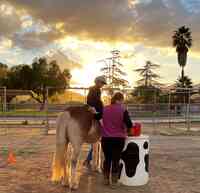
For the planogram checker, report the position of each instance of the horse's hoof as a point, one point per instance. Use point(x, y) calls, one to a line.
point(74, 187)
point(65, 184)
point(55, 182)
point(99, 171)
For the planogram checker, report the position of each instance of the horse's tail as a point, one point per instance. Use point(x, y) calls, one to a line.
point(59, 160)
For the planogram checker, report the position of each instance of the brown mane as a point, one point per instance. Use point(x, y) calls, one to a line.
point(82, 115)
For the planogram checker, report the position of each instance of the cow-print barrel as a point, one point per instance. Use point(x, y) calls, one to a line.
point(131, 159)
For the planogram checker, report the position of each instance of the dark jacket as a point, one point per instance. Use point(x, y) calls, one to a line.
point(94, 100)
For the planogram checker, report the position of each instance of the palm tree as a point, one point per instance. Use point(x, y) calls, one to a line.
point(184, 82)
point(182, 89)
point(149, 77)
point(182, 40)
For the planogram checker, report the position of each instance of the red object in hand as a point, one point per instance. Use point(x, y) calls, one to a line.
point(136, 129)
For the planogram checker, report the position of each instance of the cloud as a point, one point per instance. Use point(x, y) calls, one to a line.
point(98, 19)
point(34, 39)
point(63, 60)
point(149, 21)
point(9, 21)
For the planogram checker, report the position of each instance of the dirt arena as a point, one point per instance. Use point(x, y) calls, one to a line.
point(174, 166)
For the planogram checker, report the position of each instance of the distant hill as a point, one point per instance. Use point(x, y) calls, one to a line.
point(68, 96)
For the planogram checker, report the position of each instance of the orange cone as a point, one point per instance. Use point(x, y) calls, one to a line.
point(11, 158)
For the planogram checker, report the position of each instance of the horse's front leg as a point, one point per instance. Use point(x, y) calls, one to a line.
point(74, 182)
point(96, 160)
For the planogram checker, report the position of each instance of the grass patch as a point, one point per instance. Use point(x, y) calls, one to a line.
point(4, 151)
point(26, 112)
point(24, 152)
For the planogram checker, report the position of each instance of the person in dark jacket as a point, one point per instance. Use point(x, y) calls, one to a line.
point(94, 100)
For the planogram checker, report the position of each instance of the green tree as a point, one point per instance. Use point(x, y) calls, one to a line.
point(148, 75)
point(48, 75)
point(182, 41)
point(38, 77)
point(184, 82)
point(3, 74)
point(67, 75)
point(148, 94)
point(182, 89)
point(147, 90)
point(113, 71)
point(19, 77)
point(3, 77)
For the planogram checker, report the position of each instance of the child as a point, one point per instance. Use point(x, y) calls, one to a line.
point(94, 100)
point(115, 121)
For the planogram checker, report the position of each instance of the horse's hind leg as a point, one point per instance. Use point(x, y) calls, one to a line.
point(59, 163)
point(59, 160)
point(65, 179)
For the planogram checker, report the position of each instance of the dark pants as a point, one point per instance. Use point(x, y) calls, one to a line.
point(112, 148)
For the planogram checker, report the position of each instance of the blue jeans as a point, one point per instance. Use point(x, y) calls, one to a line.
point(89, 156)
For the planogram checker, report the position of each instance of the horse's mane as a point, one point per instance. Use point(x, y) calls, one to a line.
point(82, 115)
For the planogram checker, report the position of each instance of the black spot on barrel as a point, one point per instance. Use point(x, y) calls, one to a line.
point(146, 160)
point(146, 145)
point(131, 159)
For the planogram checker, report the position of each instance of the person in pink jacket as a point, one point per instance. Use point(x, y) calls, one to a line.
point(116, 122)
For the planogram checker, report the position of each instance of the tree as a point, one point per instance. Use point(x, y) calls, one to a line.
point(3, 78)
point(145, 94)
point(38, 77)
point(148, 87)
point(182, 89)
point(3, 74)
point(47, 75)
point(184, 82)
point(113, 72)
point(19, 77)
point(67, 75)
point(182, 40)
point(149, 77)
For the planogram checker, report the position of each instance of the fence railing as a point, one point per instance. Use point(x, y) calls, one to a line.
point(169, 112)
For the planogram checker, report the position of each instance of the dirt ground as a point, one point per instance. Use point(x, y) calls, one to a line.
point(174, 166)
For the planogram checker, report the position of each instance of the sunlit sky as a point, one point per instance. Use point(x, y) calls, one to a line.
point(79, 33)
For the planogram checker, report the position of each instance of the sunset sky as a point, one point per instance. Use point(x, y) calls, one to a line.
point(79, 33)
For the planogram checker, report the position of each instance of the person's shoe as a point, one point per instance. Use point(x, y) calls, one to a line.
point(106, 181)
point(115, 184)
point(87, 164)
point(106, 177)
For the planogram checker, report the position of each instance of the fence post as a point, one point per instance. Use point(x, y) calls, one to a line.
point(85, 97)
point(188, 113)
point(154, 112)
point(169, 109)
point(46, 109)
point(5, 100)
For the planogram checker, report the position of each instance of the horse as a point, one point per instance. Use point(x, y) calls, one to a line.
point(75, 126)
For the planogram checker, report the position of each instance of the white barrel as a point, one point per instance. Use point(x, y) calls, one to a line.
point(134, 163)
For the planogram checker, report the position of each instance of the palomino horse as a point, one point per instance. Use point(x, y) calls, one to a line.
point(76, 125)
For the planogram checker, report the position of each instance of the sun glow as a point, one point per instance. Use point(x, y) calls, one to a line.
point(90, 54)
